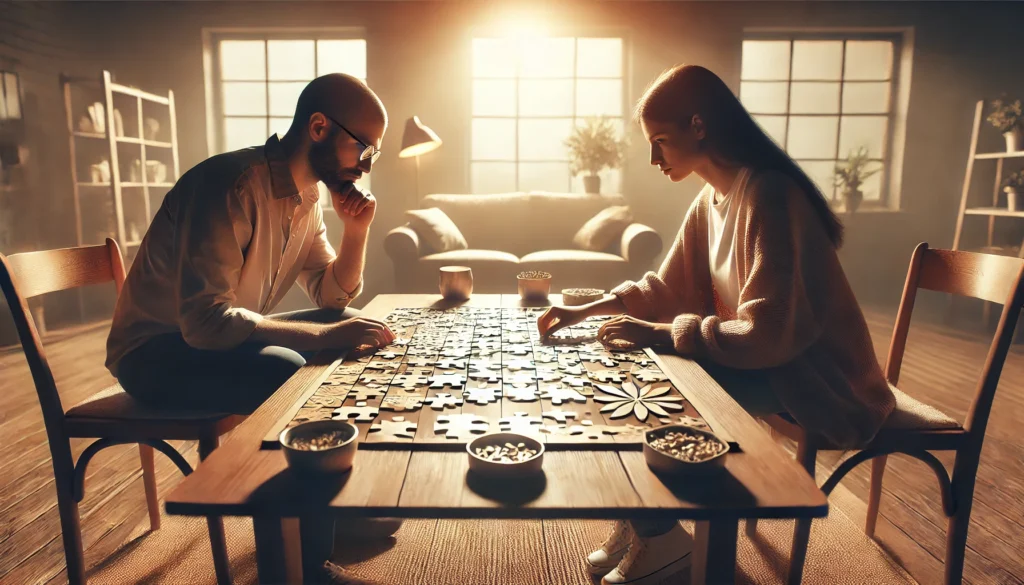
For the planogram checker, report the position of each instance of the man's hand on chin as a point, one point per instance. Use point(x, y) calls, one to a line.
point(354, 206)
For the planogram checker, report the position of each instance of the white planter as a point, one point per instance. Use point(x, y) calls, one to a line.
point(1014, 140)
point(1011, 198)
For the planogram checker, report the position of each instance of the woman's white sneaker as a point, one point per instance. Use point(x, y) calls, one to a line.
point(651, 559)
point(612, 551)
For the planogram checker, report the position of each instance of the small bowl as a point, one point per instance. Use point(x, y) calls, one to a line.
point(572, 297)
point(534, 285)
point(496, 469)
point(665, 463)
point(335, 459)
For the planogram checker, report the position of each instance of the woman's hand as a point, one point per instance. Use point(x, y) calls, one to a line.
point(556, 318)
point(625, 332)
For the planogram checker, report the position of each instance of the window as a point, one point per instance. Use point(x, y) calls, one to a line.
point(257, 80)
point(528, 93)
point(822, 98)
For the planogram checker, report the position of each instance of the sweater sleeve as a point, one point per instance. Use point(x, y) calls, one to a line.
point(781, 305)
point(654, 296)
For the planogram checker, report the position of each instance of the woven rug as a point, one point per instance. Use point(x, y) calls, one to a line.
point(491, 552)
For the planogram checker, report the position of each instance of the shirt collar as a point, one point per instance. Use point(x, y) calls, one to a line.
point(282, 185)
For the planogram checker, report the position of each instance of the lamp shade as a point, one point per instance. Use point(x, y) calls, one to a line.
point(417, 139)
point(10, 96)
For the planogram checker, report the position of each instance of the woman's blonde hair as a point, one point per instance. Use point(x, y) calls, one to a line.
point(732, 136)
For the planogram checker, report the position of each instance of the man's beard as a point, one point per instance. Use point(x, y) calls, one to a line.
point(324, 162)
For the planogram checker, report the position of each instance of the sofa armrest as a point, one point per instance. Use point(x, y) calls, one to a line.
point(640, 244)
point(402, 244)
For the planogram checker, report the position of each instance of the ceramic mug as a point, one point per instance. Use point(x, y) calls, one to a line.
point(455, 282)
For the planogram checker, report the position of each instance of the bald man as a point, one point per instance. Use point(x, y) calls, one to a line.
point(192, 328)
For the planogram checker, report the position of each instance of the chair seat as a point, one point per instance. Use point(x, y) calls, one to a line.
point(911, 414)
point(114, 404)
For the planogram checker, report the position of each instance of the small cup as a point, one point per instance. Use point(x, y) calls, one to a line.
point(455, 282)
point(534, 285)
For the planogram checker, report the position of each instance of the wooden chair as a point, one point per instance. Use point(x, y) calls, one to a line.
point(111, 416)
point(915, 428)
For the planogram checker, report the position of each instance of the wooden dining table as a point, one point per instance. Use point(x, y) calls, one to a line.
point(760, 480)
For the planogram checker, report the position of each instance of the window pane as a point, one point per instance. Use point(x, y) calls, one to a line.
point(763, 97)
point(547, 57)
point(280, 126)
point(341, 56)
point(545, 97)
point(494, 139)
point(494, 97)
point(599, 58)
point(872, 186)
point(599, 97)
point(284, 96)
point(544, 176)
point(244, 132)
point(814, 98)
point(611, 182)
point(765, 60)
point(244, 98)
point(544, 139)
point(817, 59)
point(858, 131)
point(812, 137)
point(618, 123)
point(290, 60)
point(494, 57)
point(242, 60)
point(868, 60)
point(492, 177)
point(775, 126)
point(866, 98)
point(822, 173)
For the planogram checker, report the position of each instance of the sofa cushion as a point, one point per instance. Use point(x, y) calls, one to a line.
point(555, 256)
point(464, 256)
point(605, 228)
point(436, 230)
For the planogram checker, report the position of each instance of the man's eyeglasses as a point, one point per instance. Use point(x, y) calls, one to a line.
point(369, 151)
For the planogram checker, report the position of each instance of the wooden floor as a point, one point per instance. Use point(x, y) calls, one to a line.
point(941, 369)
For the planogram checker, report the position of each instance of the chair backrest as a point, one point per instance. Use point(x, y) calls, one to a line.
point(997, 279)
point(30, 274)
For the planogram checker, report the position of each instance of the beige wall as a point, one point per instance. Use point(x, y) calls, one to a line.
point(419, 64)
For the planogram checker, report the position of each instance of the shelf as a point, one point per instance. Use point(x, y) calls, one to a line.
point(993, 211)
point(138, 184)
point(133, 140)
point(984, 155)
point(98, 135)
point(95, 185)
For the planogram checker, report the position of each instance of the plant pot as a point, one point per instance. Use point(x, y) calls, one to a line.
point(592, 184)
point(852, 197)
point(1011, 198)
point(1014, 140)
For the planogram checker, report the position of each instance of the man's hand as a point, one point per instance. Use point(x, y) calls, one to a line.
point(625, 332)
point(358, 332)
point(354, 206)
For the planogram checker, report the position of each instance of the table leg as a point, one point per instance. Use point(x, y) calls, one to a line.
point(270, 559)
point(317, 533)
point(714, 552)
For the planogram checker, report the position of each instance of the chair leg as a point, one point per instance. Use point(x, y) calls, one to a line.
point(806, 455)
point(956, 527)
point(875, 494)
point(751, 528)
point(71, 529)
point(218, 542)
point(149, 481)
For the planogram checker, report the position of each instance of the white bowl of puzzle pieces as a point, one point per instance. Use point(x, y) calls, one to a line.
point(572, 297)
point(681, 449)
point(534, 284)
point(320, 446)
point(505, 455)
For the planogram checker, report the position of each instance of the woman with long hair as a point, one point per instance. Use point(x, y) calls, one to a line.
point(752, 288)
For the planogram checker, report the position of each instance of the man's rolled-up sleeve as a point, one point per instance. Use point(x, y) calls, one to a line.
point(317, 276)
point(211, 235)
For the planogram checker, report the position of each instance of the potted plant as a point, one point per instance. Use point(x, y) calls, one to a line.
point(1006, 117)
point(850, 176)
point(1012, 185)
point(593, 147)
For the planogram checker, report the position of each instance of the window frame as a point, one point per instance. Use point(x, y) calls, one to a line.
point(892, 146)
point(476, 32)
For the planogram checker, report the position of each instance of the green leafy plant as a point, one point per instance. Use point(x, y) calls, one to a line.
point(855, 171)
point(595, 146)
point(1014, 180)
point(1005, 115)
